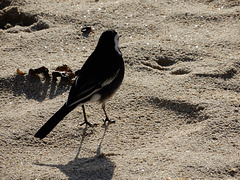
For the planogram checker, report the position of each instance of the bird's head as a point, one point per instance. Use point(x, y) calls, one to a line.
point(109, 39)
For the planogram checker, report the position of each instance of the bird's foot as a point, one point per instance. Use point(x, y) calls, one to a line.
point(108, 120)
point(89, 124)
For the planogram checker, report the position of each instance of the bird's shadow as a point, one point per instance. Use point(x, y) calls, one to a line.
point(33, 87)
point(96, 167)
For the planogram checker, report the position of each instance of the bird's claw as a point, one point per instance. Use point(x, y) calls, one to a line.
point(108, 120)
point(89, 124)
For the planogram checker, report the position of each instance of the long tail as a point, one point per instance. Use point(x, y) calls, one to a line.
point(53, 121)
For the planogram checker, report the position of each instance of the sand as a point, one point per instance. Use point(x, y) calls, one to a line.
point(176, 113)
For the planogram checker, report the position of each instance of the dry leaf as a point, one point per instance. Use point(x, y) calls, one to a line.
point(20, 72)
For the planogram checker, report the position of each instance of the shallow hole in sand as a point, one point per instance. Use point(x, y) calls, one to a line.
point(164, 61)
point(11, 17)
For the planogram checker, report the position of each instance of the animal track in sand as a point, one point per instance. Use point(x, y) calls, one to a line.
point(167, 62)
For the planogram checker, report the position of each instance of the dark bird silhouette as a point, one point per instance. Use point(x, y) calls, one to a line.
point(97, 80)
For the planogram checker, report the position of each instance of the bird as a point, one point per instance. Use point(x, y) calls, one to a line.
point(98, 79)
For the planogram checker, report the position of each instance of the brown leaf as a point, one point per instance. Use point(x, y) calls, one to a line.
point(20, 72)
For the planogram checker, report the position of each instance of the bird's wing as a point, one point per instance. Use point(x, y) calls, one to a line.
point(85, 87)
point(82, 89)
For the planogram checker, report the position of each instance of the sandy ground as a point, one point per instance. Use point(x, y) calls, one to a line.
point(177, 111)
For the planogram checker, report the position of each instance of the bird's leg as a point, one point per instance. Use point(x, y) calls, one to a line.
point(107, 119)
point(85, 119)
